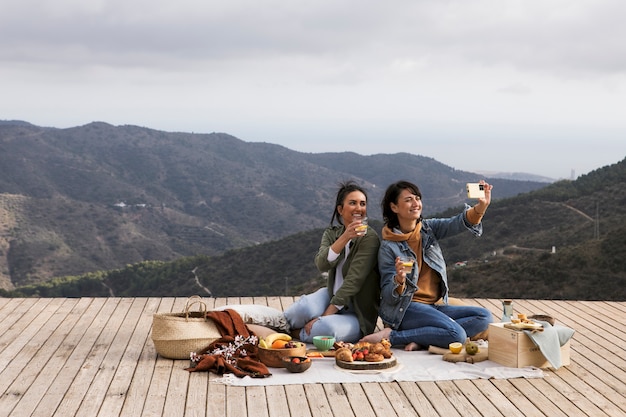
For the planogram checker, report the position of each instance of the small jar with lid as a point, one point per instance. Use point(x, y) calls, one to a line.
point(507, 310)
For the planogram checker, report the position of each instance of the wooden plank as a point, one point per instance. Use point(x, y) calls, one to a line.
point(53, 354)
point(317, 401)
point(246, 300)
point(493, 395)
point(139, 385)
point(93, 361)
point(3, 302)
point(538, 398)
point(76, 341)
point(557, 398)
point(118, 390)
point(295, 400)
point(396, 399)
point(178, 385)
point(440, 403)
point(337, 400)
point(417, 399)
point(26, 322)
point(276, 401)
point(177, 390)
point(12, 312)
point(286, 302)
point(517, 398)
point(87, 330)
point(160, 369)
point(220, 302)
point(216, 398)
point(256, 402)
point(122, 331)
point(274, 302)
point(479, 400)
point(197, 393)
point(359, 402)
point(609, 366)
point(158, 390)
point(591, 403)
point(236, 402)
point(33, 359)
point(458, 399)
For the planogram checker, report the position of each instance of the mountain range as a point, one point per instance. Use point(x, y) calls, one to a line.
point(101, 210)
point(99, 197)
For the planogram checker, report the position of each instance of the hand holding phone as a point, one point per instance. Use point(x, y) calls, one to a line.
point(475, 190)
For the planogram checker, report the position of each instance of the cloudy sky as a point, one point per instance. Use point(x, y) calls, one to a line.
point(494, 85)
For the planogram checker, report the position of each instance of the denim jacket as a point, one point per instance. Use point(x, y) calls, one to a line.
point(393, 305)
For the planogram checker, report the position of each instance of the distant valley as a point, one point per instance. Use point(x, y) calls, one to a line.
point(82, 201)
point(99, 197)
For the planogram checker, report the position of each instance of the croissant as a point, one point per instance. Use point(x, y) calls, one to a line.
point(374, 357)
point(377, 348)
point(386, 343)
point(343, 354)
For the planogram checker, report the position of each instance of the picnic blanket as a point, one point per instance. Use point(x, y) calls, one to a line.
point(412, 366)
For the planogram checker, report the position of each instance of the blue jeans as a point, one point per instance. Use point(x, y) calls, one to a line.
point(439, 325)
point(343, 326)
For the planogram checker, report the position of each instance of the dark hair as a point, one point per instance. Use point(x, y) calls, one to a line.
point(391, 196)
point(345, 188)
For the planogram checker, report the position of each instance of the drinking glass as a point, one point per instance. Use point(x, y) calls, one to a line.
point(362, 229)
point(407, 264)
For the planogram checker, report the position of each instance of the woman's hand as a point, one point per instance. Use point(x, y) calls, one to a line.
point(309, 325)
point(352, 229)
point(400, 276)
point(483, 203)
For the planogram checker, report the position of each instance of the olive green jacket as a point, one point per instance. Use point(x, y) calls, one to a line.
point(361, 280)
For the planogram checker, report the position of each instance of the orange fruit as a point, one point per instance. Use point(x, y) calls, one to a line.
point(455, 347)
point(279, 344)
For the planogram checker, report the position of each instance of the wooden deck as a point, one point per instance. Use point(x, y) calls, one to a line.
point(94, 357)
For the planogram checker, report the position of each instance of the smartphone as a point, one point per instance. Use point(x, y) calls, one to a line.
point(475, 190)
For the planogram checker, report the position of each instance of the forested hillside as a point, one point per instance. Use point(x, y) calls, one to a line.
point(99, 197)
point(565, 241)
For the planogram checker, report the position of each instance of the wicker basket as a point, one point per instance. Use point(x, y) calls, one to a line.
point(176, 335)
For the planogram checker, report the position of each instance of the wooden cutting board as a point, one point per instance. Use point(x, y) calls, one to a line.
point(314, 353)
point(524, 326)
point(482, 355)
point(367, 366)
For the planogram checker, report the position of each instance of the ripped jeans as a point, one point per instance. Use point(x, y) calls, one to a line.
point(343, 326)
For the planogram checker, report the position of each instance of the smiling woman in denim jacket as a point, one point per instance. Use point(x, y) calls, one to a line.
point(414, 306)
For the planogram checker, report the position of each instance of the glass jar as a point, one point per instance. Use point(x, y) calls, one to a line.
point(507, 310)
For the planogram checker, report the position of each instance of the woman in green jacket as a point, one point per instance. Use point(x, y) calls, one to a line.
point(347, 308)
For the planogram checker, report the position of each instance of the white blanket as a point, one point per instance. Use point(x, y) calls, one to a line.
point(412, 366)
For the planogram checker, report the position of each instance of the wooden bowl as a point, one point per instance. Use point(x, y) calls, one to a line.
point(274, 357)
point(301, 365)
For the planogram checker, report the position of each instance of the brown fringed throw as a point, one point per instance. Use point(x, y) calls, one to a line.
point(235, 352)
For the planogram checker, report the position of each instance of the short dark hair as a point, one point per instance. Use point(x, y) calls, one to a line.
point(391, 196)
point(345, 188)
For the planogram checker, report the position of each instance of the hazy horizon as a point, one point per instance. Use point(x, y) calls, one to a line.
point(495, 85)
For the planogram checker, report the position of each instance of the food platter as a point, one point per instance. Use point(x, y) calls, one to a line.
point(367, 366)
point(320, 354)
point(527, 325)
